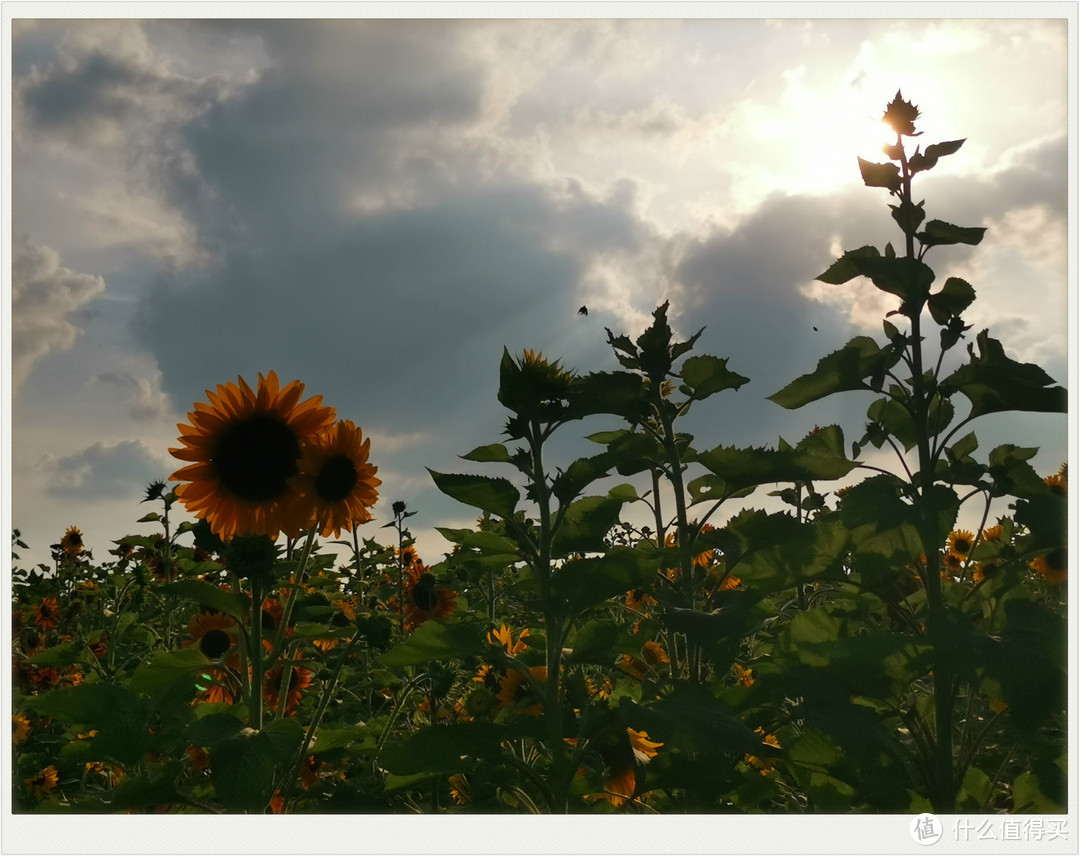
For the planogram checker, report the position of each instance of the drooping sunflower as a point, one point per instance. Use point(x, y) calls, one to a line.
point(516, 693)
point(653, 657)
point(767, 764)
point(335, 480)
point(213, 633)
point(42, 784)
point(20, 728)
point(244, 448)
point(47, 613)
point(424, 599)
point(299, 680)
point(72, 542)
point(1053, 566)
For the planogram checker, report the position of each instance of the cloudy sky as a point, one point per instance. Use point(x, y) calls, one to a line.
point(377, 208)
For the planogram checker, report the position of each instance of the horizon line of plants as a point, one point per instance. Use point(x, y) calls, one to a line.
point(855, 652)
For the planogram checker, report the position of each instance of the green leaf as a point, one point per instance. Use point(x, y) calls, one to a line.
point(594, 642)
point(580, 474)
point(706, 375)
point(205, 594)
point(64, 654)
point(495, 496)
point(938, 232)
point(880, 175)
point(616, 393)
point(743, 468)
point(243, 770)
point(441, 748)
point(433, 641)
point(585, 525)
point(118, 715)
point(167, 669)
point(492, 453)
point(896, 419)
point(993, 383)
point(214, 728)
point(817, 552)
point(840, 371)
point(955, 296)
point(585, 582)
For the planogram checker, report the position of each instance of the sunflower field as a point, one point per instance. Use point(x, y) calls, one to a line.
point(857, 650)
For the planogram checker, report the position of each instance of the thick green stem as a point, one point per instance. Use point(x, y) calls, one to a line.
point(943, 795)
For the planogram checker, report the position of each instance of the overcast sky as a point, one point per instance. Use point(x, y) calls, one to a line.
point(377, 208)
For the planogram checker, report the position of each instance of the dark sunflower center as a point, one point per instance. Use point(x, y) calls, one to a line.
point(255, 457)
point(214, 643)
point(336, 479)
point(1057, 559)
point(424, 595)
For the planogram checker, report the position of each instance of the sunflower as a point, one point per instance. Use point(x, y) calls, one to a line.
point(951, 563)
point(503, 636)
point(1053, 566)
point(515, 693)
point(459, 789)
point(960, 542)
point(424, 600)
point(20, 728)
point(217, 686)
point(244, 448)
point(47, 613)
point(652, 657)
point(764, 765)
point(984, 571)
point(72, 542)
point(408, 556)
point(638, 599)
point(994, 533)
point(745, 676)
point(335, 480)
point(41, 784)
point(299, 680)
point(1059, 483)
point(213, 633)
point(620, 765)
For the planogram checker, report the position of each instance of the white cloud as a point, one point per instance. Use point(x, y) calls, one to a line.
point(144, 398)
point(44, 296)
point(104, 471)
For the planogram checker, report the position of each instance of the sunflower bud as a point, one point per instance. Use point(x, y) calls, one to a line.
point(900, 115)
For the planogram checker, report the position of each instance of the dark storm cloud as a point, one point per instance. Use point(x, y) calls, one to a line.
point(103, 472)
point(83, 92)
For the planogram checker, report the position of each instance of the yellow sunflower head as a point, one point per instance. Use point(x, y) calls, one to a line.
point(1053, 566)
point(72, 542)
point(213, 633)
point(43, 783)
point(335, 481)
point(960, 542)
point(20, 728)
point(243, 449)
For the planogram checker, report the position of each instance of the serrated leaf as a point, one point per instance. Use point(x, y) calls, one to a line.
point(938, 232)
point(616, 393)
point(586, 524)
point(840, 371)
point(434, 641)
point(493, 495)
point(846, 267)
point(585, 582)
point(580, 474)
point(885, 175)
point(993, 383)
point(955, 296)
point(743, 468)
point(440, 748)
point(205, 594)
point(706, 375)
point(168, 668)
point(492, 453)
